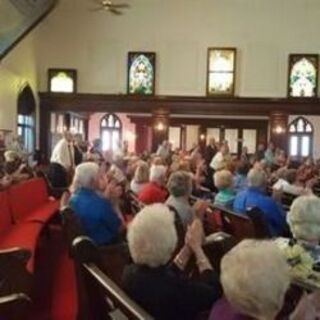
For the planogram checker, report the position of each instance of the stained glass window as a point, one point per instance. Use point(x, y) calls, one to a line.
point(221, 71)
point(141, 73)
point(62, 81)
point(303, 75)
point(300, 138)
point(111, 130)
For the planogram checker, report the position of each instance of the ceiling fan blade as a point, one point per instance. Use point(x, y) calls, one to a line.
point(115, 11)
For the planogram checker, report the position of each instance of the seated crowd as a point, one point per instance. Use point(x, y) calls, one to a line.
point(166, 237)
point(248, 287)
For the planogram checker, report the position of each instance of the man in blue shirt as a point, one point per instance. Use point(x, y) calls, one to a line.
point(254, 196)
point(95, 212)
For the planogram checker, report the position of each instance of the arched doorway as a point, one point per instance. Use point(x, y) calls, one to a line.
point(26, 118)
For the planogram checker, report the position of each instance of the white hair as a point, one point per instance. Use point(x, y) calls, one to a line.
point(304, 218)
point(152, 236)
point(84, 175)
point(223, 179)
point(257, 178)
point(157, 173)
point(255, 278)
point(11, 156)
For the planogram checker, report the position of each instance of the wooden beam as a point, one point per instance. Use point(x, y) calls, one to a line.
point(178, 104)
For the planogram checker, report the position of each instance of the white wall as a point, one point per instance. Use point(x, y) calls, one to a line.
point(315, 120)
point(180, 31)
point(16, 70)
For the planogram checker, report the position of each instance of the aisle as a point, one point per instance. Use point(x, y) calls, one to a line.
point(55, 287)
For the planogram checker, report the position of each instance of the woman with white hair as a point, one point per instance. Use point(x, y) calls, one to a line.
point(180, 188)
point(141, 177)
point(304, 219)
point(154, 191)
point(255, 196)
point(14, 168)
point(96, 214)
point(255, 278)
point(303, 251)
point(158, 287)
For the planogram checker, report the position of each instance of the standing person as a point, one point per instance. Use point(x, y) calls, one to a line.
point(164, 150)
point(244, 157)
point(260, 152)
point(95, 153)
point(63, 154)
point(17, 145)
point(269, 154)
point(79, 149)
point(221, 159)
point(211, 150)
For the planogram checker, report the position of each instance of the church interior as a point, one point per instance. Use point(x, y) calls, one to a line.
point(159, 159)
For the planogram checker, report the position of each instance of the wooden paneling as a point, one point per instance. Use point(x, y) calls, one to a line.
point(268, 107)
point(178, 104)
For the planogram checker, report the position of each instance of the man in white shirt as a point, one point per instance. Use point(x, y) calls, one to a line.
point(63, 152)
point(164, 150)
point(221, 159)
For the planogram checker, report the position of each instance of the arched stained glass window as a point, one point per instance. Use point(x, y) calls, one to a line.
point(141, 73)
point(300, 138)
point(303, 75)
point(111, 131)
point(62, 80)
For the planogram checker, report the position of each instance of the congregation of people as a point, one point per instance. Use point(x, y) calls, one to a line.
point(168, 232)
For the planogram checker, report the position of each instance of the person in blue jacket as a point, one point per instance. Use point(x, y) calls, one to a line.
point(255, 196)
point(95, 211)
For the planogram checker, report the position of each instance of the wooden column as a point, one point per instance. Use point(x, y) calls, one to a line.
point(44, 132)
point(160, 127)
point(202, 137)
point(278, 130)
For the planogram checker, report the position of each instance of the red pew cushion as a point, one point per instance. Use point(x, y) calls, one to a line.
point(5, 215)
point(45, 212)
point(27, 198)
point(24, 235)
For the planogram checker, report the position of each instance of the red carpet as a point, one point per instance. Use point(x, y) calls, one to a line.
point(55, 283)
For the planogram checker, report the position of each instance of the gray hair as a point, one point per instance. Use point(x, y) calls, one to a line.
point(304, 218)
point(180, 184)
point(141, 174)
point(257, 178)
point(158, 173)
point(255, 278)
point(152, 236)
point(84, 176)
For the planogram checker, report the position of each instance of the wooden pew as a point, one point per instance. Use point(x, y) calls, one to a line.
point(240, 226)
point(103, 296)
point(98, 272)
point(15, 283)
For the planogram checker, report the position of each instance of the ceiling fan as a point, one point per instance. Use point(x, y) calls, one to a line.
point(108, 5)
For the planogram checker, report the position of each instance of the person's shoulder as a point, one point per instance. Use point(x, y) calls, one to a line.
point(242, 193)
